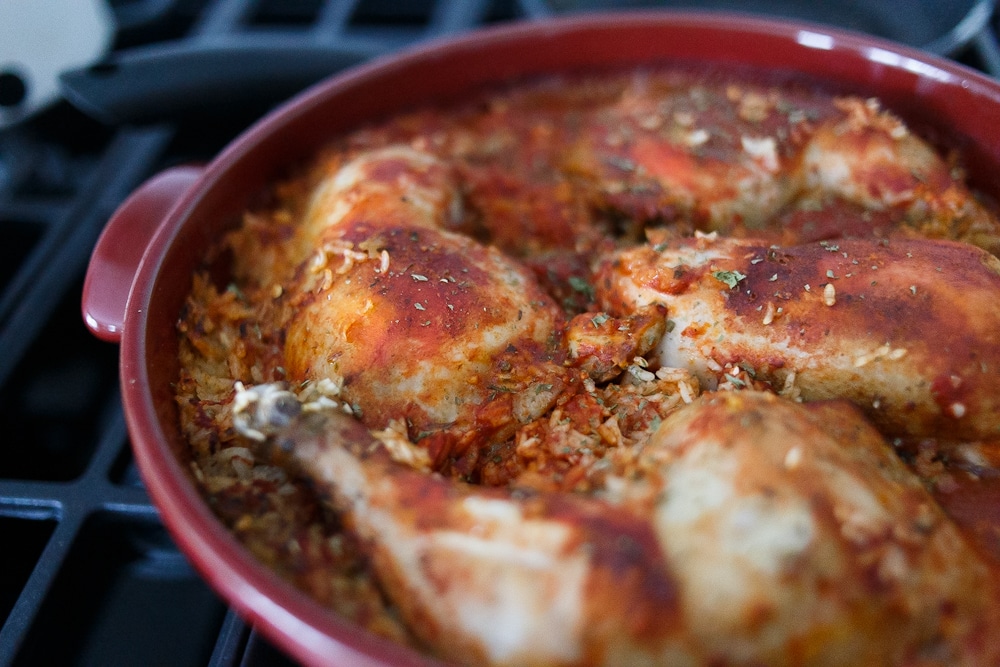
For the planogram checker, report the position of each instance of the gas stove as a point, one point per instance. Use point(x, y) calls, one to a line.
point(89, 574)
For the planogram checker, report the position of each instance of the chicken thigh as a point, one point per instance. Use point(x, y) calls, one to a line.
point(749, 530)
point(413, 322)
point(908, 330)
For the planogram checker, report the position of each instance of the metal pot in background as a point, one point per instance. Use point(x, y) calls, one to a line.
point(265, 68)
point(39, 41)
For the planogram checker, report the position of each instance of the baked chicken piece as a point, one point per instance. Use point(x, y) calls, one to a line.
point(869, 158)
point(737, 158)
point(908, 330)
point(749, 530)
point(410, 322)
point(702, 154)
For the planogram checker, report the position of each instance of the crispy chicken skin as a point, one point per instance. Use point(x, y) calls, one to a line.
point(748, 530)
point(413, 322)
point(712, 156)
point(769, 502)
point(740, 159)
point(870, 159)
point(906, 329)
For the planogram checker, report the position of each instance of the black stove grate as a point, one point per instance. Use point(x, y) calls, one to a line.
point(89, 575)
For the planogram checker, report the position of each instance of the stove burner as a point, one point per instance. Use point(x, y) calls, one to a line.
point(13, 90)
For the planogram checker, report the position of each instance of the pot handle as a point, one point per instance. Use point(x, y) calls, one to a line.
point(121, 247)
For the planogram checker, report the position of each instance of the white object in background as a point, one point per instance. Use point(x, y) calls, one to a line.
point(39, 39)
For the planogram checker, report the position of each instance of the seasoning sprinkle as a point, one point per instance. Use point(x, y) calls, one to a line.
point(735, 380)
point(599, 319)
point(580, 285)
point(730, 278)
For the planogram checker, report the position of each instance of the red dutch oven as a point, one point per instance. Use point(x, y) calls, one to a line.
point(141, 268)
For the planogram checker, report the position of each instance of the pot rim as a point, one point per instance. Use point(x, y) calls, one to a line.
point(288, 617)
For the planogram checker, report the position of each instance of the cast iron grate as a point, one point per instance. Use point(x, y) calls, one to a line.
point(89, 574)
point(90, 577)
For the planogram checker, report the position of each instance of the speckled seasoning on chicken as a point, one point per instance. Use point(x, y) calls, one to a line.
point(672, 367)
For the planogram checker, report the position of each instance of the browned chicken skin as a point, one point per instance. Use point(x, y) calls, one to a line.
point(415, 323)
point(744, 532)
point(907, 329)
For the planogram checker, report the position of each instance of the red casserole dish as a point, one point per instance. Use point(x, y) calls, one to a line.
point(141, 269)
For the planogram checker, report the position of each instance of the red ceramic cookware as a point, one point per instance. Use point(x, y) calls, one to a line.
point(142, 267)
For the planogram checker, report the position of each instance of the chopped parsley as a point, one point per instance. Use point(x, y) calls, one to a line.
point(735, 380)
point(582, 286)
point(730, 278)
